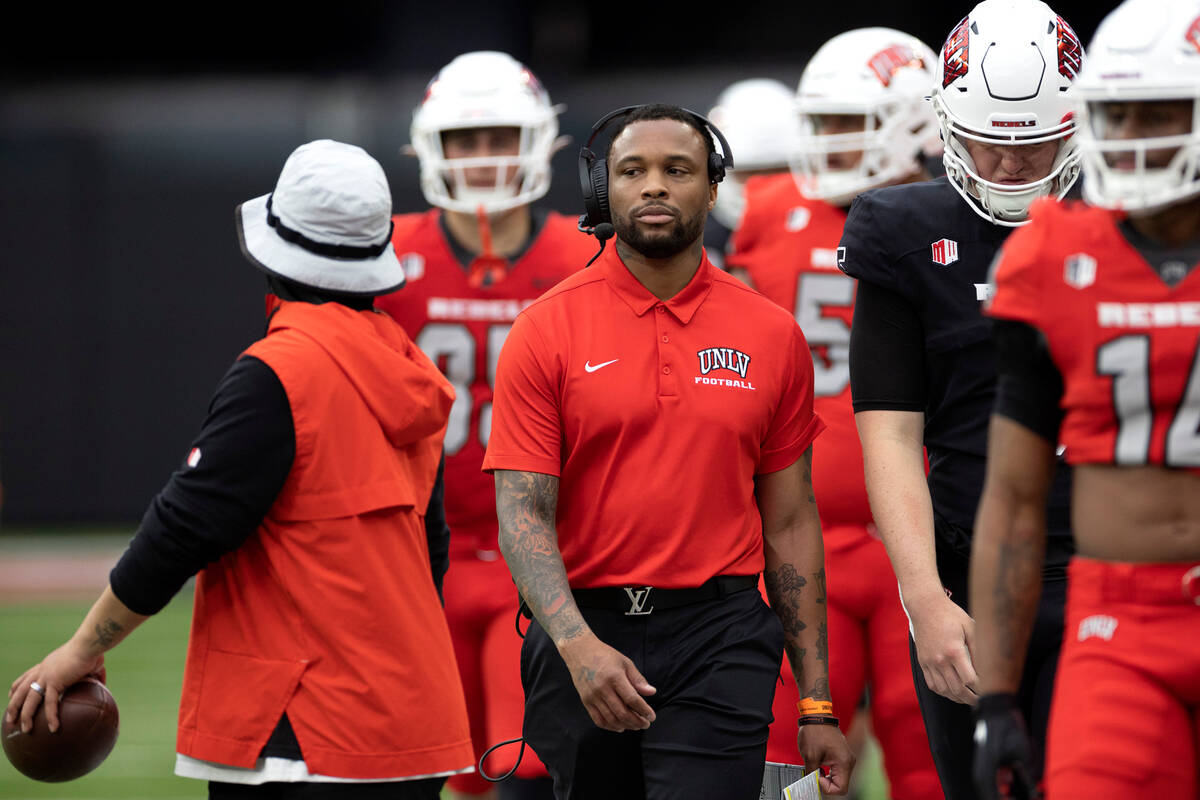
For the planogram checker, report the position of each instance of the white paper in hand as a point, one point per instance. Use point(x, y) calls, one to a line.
point(776, 776)
point(807, 788)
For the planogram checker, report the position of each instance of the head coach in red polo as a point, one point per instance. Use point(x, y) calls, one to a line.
point(319, 665)
point(651, 444)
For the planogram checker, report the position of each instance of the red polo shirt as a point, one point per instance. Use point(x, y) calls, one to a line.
point(656, 416)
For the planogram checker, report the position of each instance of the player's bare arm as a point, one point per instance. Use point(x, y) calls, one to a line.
point(794, 577)
point(893, 459)
point(107, 623)
point(1008, 550)
point(608, 683)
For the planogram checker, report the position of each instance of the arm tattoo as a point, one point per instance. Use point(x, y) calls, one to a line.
point(795, 654)
point(107, 633)
point(783, 591)
point(526, 504)
point(807, 476)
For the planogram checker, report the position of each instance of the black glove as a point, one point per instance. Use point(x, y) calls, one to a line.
point(1003, 755)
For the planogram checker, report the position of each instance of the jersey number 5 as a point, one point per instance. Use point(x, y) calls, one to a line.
point(1127, 360)
point(452, 346)
point(827, 335)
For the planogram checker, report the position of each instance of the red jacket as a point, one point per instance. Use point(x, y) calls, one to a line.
point(329, 611)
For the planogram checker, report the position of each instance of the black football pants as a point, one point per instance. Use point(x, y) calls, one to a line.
point(715, 665)
point(951, 725)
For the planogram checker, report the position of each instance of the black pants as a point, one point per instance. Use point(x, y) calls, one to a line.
point(421, 789)
point(951, 725)
point(714, 664)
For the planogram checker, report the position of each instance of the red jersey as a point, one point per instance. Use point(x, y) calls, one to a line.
point(461, 327)
point(656, 415)
point(788, 246)
point(1124, 341)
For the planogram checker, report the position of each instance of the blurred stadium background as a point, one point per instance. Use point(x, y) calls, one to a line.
point(122, 157)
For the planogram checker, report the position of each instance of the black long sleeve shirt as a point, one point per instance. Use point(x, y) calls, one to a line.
point(236, 467)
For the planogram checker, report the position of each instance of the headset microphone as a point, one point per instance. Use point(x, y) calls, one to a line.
point(603, 232)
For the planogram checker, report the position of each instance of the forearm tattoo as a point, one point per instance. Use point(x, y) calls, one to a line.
point(107, 633)
point(784, 588)
point(783, 591)
point(526, 504)
point(807, 476)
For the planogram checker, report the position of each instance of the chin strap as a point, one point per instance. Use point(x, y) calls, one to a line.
point(488, 268)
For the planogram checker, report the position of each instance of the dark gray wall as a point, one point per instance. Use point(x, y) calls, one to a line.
point(123, 297)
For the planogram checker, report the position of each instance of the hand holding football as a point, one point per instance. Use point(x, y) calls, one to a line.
point(88, 723)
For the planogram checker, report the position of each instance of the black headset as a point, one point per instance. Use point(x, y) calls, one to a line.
point(593, 173)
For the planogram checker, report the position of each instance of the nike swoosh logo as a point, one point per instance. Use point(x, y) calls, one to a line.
point(588, 366)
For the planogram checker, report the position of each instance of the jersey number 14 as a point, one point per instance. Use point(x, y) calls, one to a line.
point(1127, 360)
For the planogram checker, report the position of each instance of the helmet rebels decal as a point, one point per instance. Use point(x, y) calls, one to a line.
point(954, 60)
point(886, 63)
point(1193, 34)
point(1070, 52)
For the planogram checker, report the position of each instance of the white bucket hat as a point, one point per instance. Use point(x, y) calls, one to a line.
point(327, 225)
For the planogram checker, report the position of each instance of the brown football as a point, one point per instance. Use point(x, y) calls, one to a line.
point(87, 731)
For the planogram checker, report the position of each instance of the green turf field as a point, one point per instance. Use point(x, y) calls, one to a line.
point(144, 674)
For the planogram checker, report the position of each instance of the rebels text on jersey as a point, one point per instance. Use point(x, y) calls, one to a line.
point(461, 327)
point(922, 241)
point(1124, 341)
point(787, 245)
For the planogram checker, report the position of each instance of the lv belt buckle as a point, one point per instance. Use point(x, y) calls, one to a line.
point(637, 601)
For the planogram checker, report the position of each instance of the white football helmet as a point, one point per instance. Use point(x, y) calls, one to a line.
point(884, 75)
point(1145, 50)
point(483, 90)
point(756, 116)
point(1003, 78)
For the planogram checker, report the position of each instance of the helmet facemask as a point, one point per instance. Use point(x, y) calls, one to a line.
point(1139, 175)
point(1003, 203)
point(880, 76)
point(888, 142)
point(519, 179)
point(757, 119)
point(485, 90)
point(1004, 80)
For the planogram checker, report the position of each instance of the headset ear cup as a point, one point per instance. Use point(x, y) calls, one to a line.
point(716, 167)
point(600, 190)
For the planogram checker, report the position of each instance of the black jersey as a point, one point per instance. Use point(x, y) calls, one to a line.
point(922, 243)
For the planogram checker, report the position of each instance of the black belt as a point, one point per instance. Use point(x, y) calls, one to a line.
point(638, 601)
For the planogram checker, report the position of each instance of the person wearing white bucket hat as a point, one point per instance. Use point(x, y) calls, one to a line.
point(319, 663)
point(327, 225)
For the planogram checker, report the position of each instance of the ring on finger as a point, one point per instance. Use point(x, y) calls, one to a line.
point(37, 687)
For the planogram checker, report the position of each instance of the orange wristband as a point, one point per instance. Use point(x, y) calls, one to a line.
point(808, 706)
